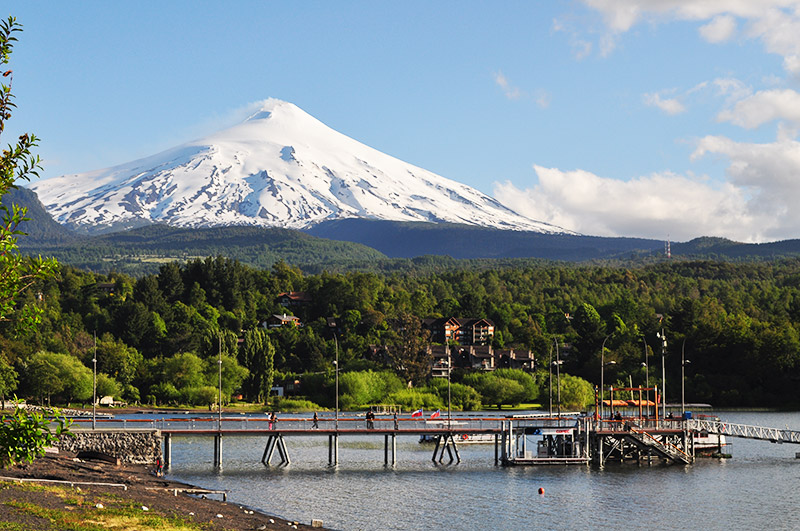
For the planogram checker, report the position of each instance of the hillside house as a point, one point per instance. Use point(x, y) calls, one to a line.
point(277, 321)
point(478, 357)
point(292, 299)
point(463, 331)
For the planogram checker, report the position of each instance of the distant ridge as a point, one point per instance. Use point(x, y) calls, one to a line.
point(408, 240)
point(41, 227)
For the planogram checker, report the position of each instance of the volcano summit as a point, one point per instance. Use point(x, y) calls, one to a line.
point(279, 168)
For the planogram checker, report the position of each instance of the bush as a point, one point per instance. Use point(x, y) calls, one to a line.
point(205, 395)
point(412, 399)
point(25, 435)
point(367, 387)
point(289, 404)
point(462, 397)
point(576, 393)
point(165, 393)
point(496, 389)
point(528, 382)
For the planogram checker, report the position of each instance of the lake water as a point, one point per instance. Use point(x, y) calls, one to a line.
point(757, 488)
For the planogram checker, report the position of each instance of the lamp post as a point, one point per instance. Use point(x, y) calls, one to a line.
point(684, 361)
point(449, 370)
point(602, 373)
point(646, 371)
point(219, 402)
point(336, 364)
point(94, 384)
point(663, 339)
point(332, 326)
point(550, 379)
point(558, 379)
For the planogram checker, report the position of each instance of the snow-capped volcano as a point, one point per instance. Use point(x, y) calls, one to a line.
point(279, 168)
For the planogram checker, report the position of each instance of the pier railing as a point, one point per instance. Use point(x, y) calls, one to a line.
point(745, 431)
point(249, 423)
point(348, 423)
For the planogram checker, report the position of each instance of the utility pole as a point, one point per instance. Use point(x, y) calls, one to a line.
point(558, 379)
point(550, 371)
point(94, 384)
point(219, 403)
point(449, 370)
point(663, 339)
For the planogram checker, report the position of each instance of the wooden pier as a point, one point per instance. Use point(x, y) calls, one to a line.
point(275, 441)
point(538, 439)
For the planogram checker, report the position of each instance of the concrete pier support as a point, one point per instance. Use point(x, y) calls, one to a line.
point(446, 442)
point(333, 450)
point(218, 451)
point(167, 450)
point(387, 452)
point(273, 442)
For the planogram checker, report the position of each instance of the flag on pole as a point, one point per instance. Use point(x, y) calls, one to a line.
point(436, 414)
point(417, 413)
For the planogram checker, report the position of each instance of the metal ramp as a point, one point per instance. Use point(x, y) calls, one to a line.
point(663, 449)
point(744, 431)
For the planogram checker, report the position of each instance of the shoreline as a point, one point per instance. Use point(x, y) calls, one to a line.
point(102, 488)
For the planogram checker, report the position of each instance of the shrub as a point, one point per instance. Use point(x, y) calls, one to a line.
point(462, 396)
point(24, 435)
point(412, 399)
point(289, 404)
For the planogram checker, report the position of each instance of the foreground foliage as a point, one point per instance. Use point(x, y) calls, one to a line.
point(24, 435)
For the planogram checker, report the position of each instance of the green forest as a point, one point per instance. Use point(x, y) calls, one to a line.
point(161, 339)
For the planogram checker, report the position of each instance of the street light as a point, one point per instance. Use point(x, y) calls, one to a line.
point(336, 368)
point(663, 339)
point(332, 326)
point(558, 378)
point(602, 372)
point(646, 372)
point(449, 370)
point(550, 379)
point(94, 385)
point(684, 361)
point(219, 402)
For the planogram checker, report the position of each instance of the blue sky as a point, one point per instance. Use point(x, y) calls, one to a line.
point(653, 118)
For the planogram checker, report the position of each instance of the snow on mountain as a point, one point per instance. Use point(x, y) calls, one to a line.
point(279, 168)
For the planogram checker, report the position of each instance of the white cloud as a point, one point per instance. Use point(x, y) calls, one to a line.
point(756, 203)
point(732, 89)
point(650, 207)
point(668, 105)
point(762, 107)
point(776, 23)
point(543, 99)
point(769, 173)
point(720, 29)
point(511, 92)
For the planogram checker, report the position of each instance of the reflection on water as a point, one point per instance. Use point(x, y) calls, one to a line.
point(754, 489)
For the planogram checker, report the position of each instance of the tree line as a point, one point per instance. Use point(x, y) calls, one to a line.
point(160, 337)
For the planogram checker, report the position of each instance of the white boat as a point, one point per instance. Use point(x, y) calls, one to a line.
point(708, 444)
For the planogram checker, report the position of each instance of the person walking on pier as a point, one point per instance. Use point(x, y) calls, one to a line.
point(273, 421)
point(395, 420)
point(315, 425)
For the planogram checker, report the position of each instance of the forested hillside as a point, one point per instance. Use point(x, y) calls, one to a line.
point(159, 336)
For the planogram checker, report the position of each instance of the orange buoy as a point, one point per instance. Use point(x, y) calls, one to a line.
point(541, 490)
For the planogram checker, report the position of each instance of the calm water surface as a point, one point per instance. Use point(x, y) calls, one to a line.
point(757, 488)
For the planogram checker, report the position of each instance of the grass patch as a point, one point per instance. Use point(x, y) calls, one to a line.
point(518, 407)
point(91, 519)
point(81, 514)
point(11, 526)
